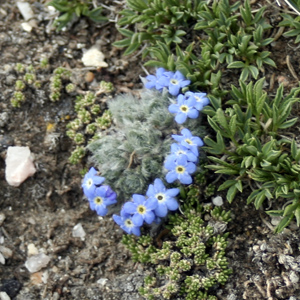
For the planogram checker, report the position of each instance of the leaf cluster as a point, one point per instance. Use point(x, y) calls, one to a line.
point(190, 263)
point(70, 9)
point(294, 24)
point(251, 148)
point(215, 35)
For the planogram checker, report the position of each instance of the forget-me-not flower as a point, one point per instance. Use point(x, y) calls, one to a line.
point(90, 182)
point(175, 82)
point(180, 169)
point(103, 197)
point(164, 197)
point(188, 140)
point(125, 222)
point(159, 81)
point(184, 108)
point(141, 209)
point(179, 150)
point(201, 99)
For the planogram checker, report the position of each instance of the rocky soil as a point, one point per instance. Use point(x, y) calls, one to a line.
point(39, 216)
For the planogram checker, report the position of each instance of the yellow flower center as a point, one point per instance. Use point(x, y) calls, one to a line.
point(174, 81)
point(89, 183)
point(198, 99)
point(184, 108)
point(188, 141)
point(98, 200)
point(160, 197)
point(180, 169)
point(141, 209)
point(128, 223)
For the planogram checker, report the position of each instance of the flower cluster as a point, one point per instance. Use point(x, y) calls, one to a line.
point(188, 105)
point(166, 79)
point(99, 196)
point(149, 208)
point(182, 161)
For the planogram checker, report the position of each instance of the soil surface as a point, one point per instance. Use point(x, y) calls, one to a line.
point(44, 209)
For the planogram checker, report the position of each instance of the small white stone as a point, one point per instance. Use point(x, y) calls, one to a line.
point(19, 165)
point(26, 26)
point(6, 252)
point(32, 250)
point(275, 220)
point(2, 218)
point(102, 281)
point(25, 10)
point(4, 296)
point(36, 262)
point(94, 58)
point(217, 201)
point(2, 259)
point(78, 231)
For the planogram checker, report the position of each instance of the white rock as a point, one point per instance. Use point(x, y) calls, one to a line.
point(6, 252)
point(4, 296)
point(2, 259)
point(217, 201)
point(19, 165)
point(32, 250)
point(94, 58)
point(25, 10)
point(2, 218)
point(26, 26)
point(36, 262)
point(78, 231)
point(102, 281)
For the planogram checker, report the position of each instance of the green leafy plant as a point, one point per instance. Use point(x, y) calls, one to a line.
point(191, 261)
point(227, 38)
point(294, 24)
point(73, 8)
point(251, 147)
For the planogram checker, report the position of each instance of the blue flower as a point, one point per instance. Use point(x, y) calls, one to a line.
point(175, 82)
point(103, 197)
point(125, 222)
point(165, 198)
point(184, 108)
point(180, 169)
point(179, 150)
point(158, 81)
point(189, 141)
point(90, 182)
point(141, 209)
point(201, 99)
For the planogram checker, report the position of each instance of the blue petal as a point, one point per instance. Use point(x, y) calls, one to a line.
point(181, 118)
point(174, 89)
point(161, 210)
point(137, 220)
point(101, 210)
point(151, 204)
point(139, 199)
point(185, 178)
point(169, 164)
point(150, 192)
point(193, 113)
point(118, 219)
point(149, 217)
point(173, 108)
point(172, 204)
point(190, 168)
point(129, 207)
point(136, 231)
point(158, 185)
point(171, 176)
point(172, 192)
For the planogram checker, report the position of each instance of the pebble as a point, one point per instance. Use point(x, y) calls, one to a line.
point(218, 201)
point(6, 252)
point(4, 296)
point(11, 287)
point(78, 231)
point(2, 218)
point(32, 250)
point(94, 58)
point(36, 262)
point(3, 118)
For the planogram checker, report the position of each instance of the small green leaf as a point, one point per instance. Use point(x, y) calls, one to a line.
point(283, 223)
point(231, 193)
